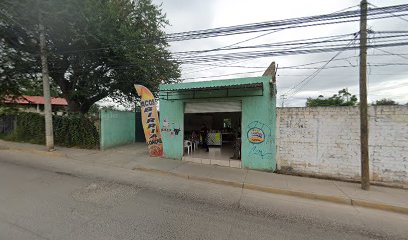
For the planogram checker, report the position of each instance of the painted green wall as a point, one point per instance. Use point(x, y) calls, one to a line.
point(257, 112)
point(173, 113)
point(117, 128)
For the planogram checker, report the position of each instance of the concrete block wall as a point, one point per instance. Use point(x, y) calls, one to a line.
point(325, 141)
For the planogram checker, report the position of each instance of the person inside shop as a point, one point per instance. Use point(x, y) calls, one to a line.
point(195, 138)
point(204, 137)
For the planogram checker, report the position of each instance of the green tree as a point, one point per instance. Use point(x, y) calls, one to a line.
point(385, 101)
point(95, 108)
point(96, 48)
point(343, 98)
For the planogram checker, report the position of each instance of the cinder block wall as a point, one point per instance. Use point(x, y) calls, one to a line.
point(325, 141)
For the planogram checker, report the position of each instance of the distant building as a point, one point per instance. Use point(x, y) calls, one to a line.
point(36, 104)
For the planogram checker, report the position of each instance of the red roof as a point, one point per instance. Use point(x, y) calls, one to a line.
point(38, 100)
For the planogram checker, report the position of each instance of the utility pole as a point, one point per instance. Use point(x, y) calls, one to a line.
point(365, 171)
point(283, 98)
point(49, 135)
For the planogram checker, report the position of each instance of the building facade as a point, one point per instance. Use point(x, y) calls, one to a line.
point(249, 102)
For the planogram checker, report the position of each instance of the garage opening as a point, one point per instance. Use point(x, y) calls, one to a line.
point(212, 133)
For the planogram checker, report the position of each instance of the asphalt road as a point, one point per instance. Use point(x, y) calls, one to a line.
point(44, 204)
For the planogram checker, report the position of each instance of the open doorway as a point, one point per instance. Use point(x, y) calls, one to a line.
point(214, 132)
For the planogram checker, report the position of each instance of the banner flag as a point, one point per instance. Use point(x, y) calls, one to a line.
point(150, 121)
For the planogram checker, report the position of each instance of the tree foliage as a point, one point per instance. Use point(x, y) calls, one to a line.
point(96, 48)
point(385, 101)
point(74, 130)
point(343, 98)
point(96, 108)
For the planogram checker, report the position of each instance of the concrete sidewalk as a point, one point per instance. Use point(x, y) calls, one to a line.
point(135, 157)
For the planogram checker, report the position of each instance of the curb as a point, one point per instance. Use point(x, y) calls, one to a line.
point(306, 195)
point(42, 152)
point(39, 152)
point(379, 206)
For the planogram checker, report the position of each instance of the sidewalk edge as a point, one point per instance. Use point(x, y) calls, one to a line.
point(44, 152)
point(306, 195)
point(380, 206)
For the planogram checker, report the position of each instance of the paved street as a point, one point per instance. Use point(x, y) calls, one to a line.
point(44, 204)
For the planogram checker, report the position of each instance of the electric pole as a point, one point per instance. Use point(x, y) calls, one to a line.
point(283, 98)
point(365, 171)
point(49, 135)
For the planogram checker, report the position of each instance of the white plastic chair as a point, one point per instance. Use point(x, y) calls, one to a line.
point(188, 145)
point(195, 144)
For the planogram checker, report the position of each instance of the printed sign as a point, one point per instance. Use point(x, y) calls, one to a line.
point(150, 121)
point(256, 135)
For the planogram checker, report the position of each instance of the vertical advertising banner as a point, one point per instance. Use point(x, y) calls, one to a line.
point(150, 121)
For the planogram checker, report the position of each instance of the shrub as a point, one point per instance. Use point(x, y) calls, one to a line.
point(69, 131)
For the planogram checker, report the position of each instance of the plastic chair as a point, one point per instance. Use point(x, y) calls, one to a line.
point(188, 145)
point(195, 144)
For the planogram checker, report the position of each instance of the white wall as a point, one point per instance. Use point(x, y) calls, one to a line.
point(325, 141)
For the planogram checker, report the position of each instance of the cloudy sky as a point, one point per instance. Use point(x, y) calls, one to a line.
point(384, 81)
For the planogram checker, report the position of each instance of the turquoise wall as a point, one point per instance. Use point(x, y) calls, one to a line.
point(172, 128)
point(117, 128)
point(258, 115)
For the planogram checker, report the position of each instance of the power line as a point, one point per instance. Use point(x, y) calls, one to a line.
point(336, 15)
point(387, 32)
point(276, 44)
point(232, 62)
point(227, 66)
point(246, 40)
point(280, 46)
point(298, 43)
point(271, 26)
point(263, 67)
point(250, 55)
point(342, 17)
point(313, 75)
point(331, 37)
point(394, 54)
point(268, 33)
point(129, 66)
point(313, 63)
point(348, 66)
point(222, 75)
point(406, 20)
point(270, 53)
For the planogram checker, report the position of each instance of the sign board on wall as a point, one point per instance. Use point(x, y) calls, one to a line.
point(256, 135)
point(150, 121)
